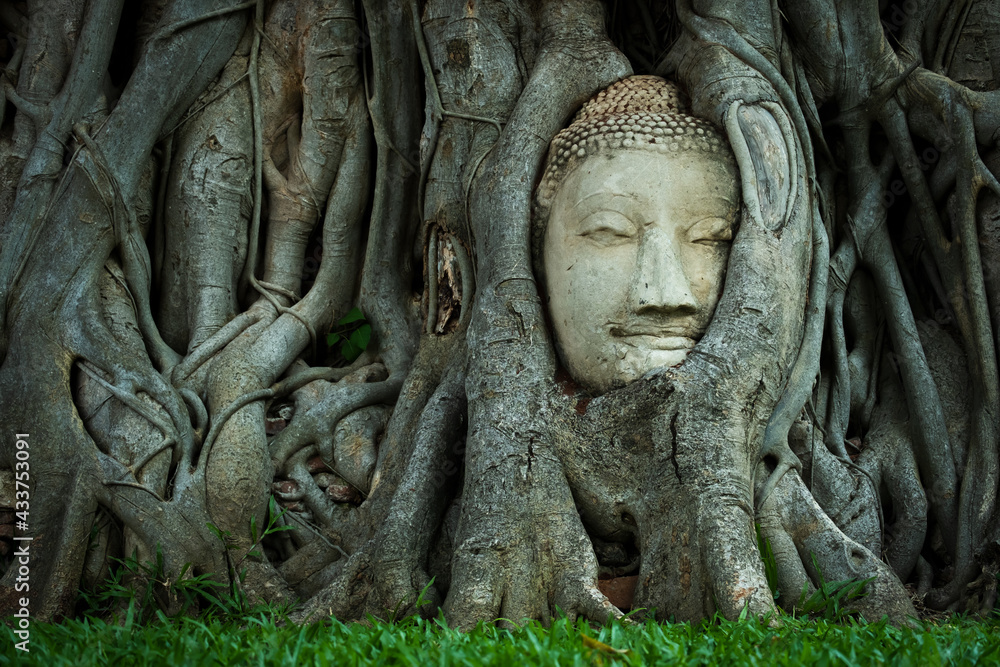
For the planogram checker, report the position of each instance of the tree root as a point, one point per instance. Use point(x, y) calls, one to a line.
point(392, 564)
point(211, 346)
point(888, 457)
point(316, 425)
point(792, 518)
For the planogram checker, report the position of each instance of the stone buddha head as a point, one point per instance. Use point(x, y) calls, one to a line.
point(632, 226)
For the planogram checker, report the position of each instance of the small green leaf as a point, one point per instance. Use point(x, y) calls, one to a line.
point(352, 316)
point(215, 531)
point(350, 351)
point(353, 334)
point(361, 337)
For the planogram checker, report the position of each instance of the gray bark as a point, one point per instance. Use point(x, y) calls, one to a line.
point(163, 318)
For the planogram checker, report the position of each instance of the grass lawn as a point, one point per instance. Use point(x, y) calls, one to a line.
point(260, 639)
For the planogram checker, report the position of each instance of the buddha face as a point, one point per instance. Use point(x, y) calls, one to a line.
point(635, 254)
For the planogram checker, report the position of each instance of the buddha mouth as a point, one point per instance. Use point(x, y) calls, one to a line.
point(657, 338)
point(659, 342)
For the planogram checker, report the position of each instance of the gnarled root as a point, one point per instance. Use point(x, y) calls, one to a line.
point(797, 526)
point(388, 573)
point(316, 424)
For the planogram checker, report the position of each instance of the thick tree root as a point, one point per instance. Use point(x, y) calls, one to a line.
point(796, 525)
point(316, 425)
point(394, 562)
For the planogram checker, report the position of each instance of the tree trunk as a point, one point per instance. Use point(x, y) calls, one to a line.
point(270, 266)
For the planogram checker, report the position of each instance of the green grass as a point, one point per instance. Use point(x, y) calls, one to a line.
point(260, 640)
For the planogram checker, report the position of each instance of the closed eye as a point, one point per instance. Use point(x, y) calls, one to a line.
point(711, 232)
point(607, 228)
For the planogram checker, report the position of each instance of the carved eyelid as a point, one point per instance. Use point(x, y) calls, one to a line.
point(607, 220)
point(711, 229)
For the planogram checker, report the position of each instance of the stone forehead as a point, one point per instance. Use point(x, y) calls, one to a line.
point(640, 112)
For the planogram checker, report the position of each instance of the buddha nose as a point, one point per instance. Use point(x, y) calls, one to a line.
point(660, 283)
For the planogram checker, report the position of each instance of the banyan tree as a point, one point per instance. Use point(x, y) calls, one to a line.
point(496, 306)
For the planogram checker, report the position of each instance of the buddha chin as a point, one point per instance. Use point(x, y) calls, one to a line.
point(635, 360)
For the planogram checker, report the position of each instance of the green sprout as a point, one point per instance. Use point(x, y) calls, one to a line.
point(353, 333)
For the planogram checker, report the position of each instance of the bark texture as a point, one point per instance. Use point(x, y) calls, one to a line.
point(269, 265)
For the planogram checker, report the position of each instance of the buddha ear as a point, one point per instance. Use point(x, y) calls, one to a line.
point(762, 141)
